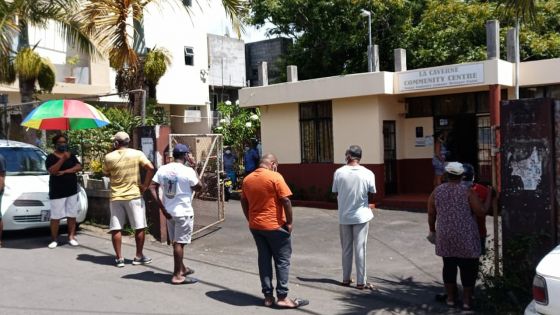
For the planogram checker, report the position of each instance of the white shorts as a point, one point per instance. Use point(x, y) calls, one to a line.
point(64, 207)
point(133, 209)
point(180, 229)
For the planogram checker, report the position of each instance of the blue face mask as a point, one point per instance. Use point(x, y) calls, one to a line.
point(62, 147)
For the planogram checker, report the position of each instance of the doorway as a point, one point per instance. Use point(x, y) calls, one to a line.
point(390, 156)
point(462, 130)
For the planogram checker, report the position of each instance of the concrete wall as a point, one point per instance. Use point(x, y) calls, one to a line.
point(410, 150)
point(226, 61)
point(267, 50)
point(541, 72)
point(280, 132)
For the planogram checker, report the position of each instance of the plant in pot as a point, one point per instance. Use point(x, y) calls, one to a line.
point(72, 62)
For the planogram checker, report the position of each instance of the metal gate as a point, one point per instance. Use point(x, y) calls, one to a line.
point(206, 158)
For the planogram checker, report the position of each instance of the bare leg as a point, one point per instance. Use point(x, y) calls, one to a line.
point(437, 180)
point(139, 236)
point(71, 228)
point(467, 296)
point(116, 237)
point(1, 228)
point(54, 229)
point(178, 262)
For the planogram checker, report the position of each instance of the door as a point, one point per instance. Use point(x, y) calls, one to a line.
point(390, 156)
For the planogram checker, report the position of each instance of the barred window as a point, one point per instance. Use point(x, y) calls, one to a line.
point(315, 121)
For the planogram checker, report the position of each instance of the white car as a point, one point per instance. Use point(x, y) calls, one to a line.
point(26, 203)
point(546, 286)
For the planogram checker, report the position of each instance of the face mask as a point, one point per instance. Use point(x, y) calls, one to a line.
point(228, 151)
point(274, 168)
point(246, 148)
point(62, 147)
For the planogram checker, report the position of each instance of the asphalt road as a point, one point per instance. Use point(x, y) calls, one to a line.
point(83, 280)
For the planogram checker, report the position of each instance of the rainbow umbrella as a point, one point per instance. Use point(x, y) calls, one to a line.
point(65, 115)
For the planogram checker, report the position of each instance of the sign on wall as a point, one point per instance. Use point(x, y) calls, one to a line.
point(441, 77)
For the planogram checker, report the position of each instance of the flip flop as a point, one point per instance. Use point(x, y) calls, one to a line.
point(297, 303)
point(368, 286)
point(269, 301)
point(189, 271)
point(188, 280)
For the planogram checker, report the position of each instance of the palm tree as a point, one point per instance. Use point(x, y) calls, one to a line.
point(108, 22)
point(16, 16)
point(523, 11)
point(155, 65)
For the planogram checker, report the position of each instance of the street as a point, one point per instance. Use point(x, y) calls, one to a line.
point(83, 280)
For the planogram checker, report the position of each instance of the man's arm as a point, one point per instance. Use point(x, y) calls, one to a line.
point(55, 168)
point(2, 180)
point(476, 205)
point(431, 213)
point(287, 204)
point(245, 207)
point(149, 175)
point(154, 189)
point(76, 168)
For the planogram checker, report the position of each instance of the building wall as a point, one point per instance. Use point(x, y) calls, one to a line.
point(280, 132)
point(226, 61)
point(167, 26)
point(267, 50)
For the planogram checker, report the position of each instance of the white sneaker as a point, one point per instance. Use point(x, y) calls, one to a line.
point(53, 245)
point(73, 242)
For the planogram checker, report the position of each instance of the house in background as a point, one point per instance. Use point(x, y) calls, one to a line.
point(270, 51)
point(226, 73)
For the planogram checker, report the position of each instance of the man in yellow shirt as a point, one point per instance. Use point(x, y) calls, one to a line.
point(123, 168)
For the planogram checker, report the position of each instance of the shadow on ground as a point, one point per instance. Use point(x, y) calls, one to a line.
point(99, 260)
point(235, 298)
point(150, 276)
point(392, 295)
point(29, 239)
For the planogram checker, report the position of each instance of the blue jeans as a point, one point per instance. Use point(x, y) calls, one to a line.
point(277, 245)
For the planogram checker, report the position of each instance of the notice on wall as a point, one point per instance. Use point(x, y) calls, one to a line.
point(420, 140)
point(440, 77)
point(148, 148)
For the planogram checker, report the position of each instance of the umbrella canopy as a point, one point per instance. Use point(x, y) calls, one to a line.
point(65, 115)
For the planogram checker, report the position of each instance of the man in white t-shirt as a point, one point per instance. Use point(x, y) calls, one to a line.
point(177, 182)
point(354, 183)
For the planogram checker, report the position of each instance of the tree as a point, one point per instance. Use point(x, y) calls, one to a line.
point(108, 22)
point(238, 125)
point(156, 63)
point(16, 16)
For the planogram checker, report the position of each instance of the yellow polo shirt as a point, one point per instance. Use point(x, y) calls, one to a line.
point(123, 168)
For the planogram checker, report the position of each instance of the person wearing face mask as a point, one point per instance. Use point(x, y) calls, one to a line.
point(484, 194)
point(229, 165)
point(265, 200)
point(63, 189)
point(250, 159)
point(353, 183)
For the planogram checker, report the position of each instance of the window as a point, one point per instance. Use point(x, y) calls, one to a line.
point(24, 161)
point(187, 3)
point(189, 56)
point(315, 121)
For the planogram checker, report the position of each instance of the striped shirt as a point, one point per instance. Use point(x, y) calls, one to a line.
point(123, 168)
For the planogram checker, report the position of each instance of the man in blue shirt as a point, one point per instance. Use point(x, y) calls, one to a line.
point(229, 165)
point(250, 159)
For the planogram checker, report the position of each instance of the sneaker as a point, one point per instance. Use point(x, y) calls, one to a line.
point(119, 262)
point(73, 242)
point(142, 261)
point(53, 245)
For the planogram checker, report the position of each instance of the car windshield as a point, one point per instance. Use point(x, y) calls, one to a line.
point(24, 161)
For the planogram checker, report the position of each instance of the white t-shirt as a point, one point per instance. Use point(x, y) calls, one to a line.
point(353, 183)
point(176, 180)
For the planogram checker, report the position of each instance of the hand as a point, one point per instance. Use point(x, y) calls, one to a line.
point(60, 173)
point(431, 237)
point(166, 214)
point(288, 227)
point(143, 188)
point(372, 206)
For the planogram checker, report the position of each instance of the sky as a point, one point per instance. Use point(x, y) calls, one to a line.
point(220, 22)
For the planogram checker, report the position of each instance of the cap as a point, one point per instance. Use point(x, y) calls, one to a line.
point(469, 171)
point(180, 149)
point(454, 168)
point(354, 151)
point(121, 136)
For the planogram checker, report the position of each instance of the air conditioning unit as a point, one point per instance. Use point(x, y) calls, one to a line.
point(192, 116)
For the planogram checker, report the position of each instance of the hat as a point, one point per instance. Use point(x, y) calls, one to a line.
point(180, 149)
point(121, 136)
point(469, 171)
point(454, 168)
point(354, 151)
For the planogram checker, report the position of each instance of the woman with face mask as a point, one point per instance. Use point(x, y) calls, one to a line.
point(63, 189)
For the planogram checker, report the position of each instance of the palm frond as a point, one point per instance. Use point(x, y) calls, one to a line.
point(46, 76)
point(8, 28)
point(522, 9)
point(27, 64)
point(234, 11)
point(156, 63)
point(7, 71)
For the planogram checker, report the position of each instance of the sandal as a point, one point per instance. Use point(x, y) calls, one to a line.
point(346, 283)
point(189, 271)
point(368, 286)
point(297, 303)
point(269, 301)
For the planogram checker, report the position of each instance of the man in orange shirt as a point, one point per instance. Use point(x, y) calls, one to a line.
point(266, 205)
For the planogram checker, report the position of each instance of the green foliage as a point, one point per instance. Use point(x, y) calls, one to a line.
point(156, 63)
point(27, 64)
point(330, 36)
point(46, 77)
point(237, 125)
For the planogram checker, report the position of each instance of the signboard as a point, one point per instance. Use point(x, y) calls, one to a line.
point(192, 116)
point(441, 77)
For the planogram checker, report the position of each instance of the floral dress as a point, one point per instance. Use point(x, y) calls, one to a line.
point(456, 229)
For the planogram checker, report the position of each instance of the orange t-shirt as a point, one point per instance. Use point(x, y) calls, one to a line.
point(263, 189)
